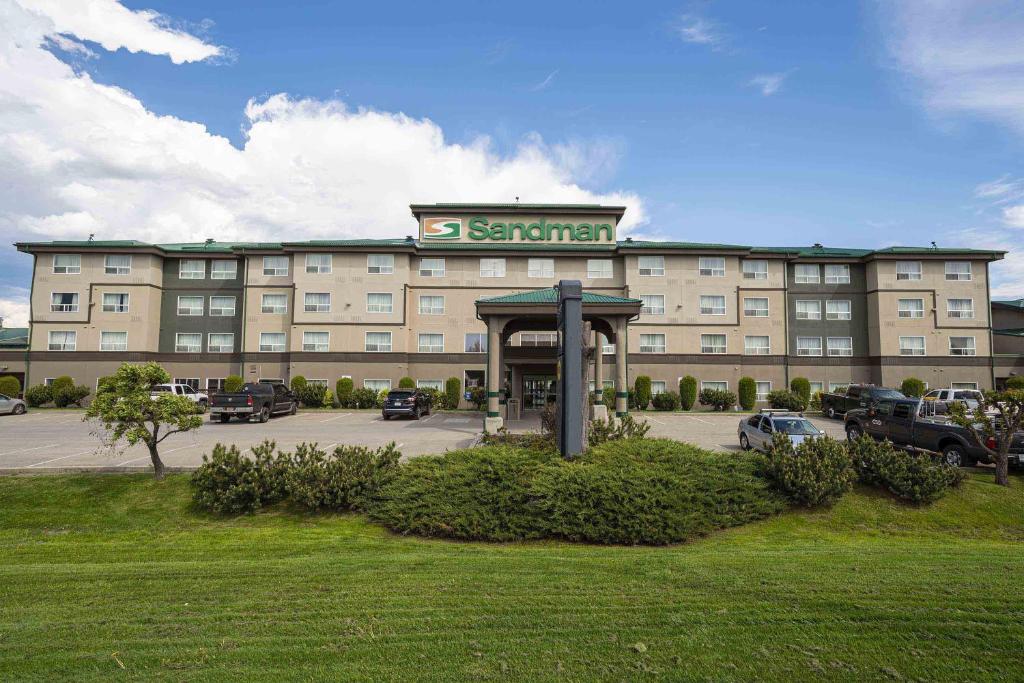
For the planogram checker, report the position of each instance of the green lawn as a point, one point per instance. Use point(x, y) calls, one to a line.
point(871, 590)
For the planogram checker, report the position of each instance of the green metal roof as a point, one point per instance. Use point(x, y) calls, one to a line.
point(550, 296)
point(652, 244)
point(935, 250)
point(1012, 303)
point(1010, 331)
point(353, 243)
point(463, 205)
point(513, 246)
point(16, 337)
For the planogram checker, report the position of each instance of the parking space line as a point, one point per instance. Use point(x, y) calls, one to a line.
point(63, 457)
point(26, 450)
point(648, 417)
point(336, 417)
point(693, 417)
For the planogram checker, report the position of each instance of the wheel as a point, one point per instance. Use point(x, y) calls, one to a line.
point(830, 412)
point(744, 442)
point(225, 418)
point(853, 432)
point(385, 417)
point(19, 409)
point(955, 455)
point(294, 409)
point(264, 414)
point(202, 407)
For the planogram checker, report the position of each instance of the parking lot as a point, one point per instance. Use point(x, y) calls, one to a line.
point(49, 440)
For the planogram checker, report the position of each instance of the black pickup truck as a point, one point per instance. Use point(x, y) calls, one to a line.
point(258, 401)
point(901, 422)
point(856, 396)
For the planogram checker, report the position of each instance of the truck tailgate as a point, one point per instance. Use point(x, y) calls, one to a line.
point(230, 400)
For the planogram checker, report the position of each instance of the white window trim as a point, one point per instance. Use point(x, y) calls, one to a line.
point(381, 270)
point(838, 280)
point(191, 276)
point(284, 346)
point(493, 272)
point(957, 314)
point(234, 306)
point(705, 349)
point(73, 344)
point(202, 305)
point(654, 348)
point(178, 345)
point(124, 332)
point(844, 315)
point(973, 347)
point(759, 396)
point(127, 305)
point(820, 348)
point(807, 315)
point(263, 306)
point(957, 276)
point(725, 304)
point(233, 272)
point(754, 274)
point(912, 276)
point(431, 272)
point(653, 310)
point(68, 270)
point(710, 271)
point(117, 269)
point(924, 345)
point(602, 274)
point(430, 311)
point(714, 381)
point(767, 309)
point(391, 307)
point(419, 346)
point(390, 344)
point(382, 381)
point(912, 313)
point(317, 268)
point(802, 279)
point(767, 350)
point(315, 350)
point(541, 273)
point(657, 271)
point(839, 352)
point(317, 308)
point(483, 336)
point(276, 272)
point(76, 306)
point(216, 348)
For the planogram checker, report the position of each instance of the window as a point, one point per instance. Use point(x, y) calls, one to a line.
point(840, 346)
point(969, 386)
point(377, 385)
point(958, 270)
point(837, 274)
point(380, 264)
point(214, 385)
point(714, 386)
point(191, 382)
point(755, 307)
point(115, 302)
point(318, 263)
point(910, 308)
point(657, 387)
point(317, 302)
point(188, 342)
point(117, 264)
point(652, 343)
point(763, 389)
point(221, 342)
point(839, 387)
point(651, 266)
point(274, 303)
point(317, 382)
point(275, 266)
point(838, 309)
point(67, 264)
point(476, 342)
point(113, 341)
point(190, 305)
point(712, 304)
point(435, 384)
point(540, 267)
point(191, 269)
point(431, 343)
point(652, 304)
point(272, 342)
point(223, 270)
point(432, 267)
point(962, 346)
point(316, 341)
point(712, 343)
point(379, 342)
point(538, 339)
point(807, 274)
point(222, 306)
point(808, 346)
point(64, 302)
point(757, 346)
point(817, 387)
point(431, 305)
point(908, 270)
point(379, 302)
point(711, 266)
point(755, 270)
point(492, 267)
point(61, 340)
point(911, 346)
point(808, 310)
point(607, 348)
point(599, 268)
point(960, 308)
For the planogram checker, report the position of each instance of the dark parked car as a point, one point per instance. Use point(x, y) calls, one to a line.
point(258, 401)
point(856, 396)
point(411, 402)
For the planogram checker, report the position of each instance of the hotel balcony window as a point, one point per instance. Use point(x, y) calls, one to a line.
point(190, 305)
point(599, 268)
point(755, 270)
point(220, 342)
point(379, 302)
point(316, 341)
point(808, 346)
point(808, 310)
point(757, 346)
point(912, 346)
point(380, 264)
point(67, 264)
point(540, 267)
point(431, 305)
point(712, 304)
point(656, 388)
point(64, 302)
point(712, 343)
point(652, 304)
point(432, 267)
point(191, 269)
point(652, 343)
point(838, 309)
point(962, 346)
point(807, 274)
point(958, 270)
point(222, 306)
point(319, 264)
point(908, 270)
point(61, 340)
point(223, 270)
point(840, 346)
point(272, 342)
point(379, 342)
point(711, 266)
point(763, 389)
point(317, 302)
point(714, 386)
point(274, 303)
point(115, 302)
point(113, 341)
point(960, 308)
point(607, 348)
point(910, 308)
point(275, 266)
point(492, 267)
point(476, 342)
point(755, 307)
point(188, 342)
point(651, 266)
point(430, 343)
point(837, 274)
point(538, 339)
point(117, 264)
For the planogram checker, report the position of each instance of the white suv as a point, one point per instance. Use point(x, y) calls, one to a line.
point(183, 390)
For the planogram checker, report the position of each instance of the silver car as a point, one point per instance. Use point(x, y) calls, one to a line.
point(11, 406)
point(756, 431)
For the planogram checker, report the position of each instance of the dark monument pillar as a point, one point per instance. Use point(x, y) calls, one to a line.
point(571, 398)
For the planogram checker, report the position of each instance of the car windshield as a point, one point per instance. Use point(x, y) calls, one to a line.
point(888, 393)
point(794, 425)
point(161, 388)
point(400, 394)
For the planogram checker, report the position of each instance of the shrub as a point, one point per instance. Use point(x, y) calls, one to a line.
point(364, 398)
point(382, 395)
point(343, 391)
point(62, 383)
point(747, 393)
point(815, 401)
point(312, 395)
point(227, 482)
point(39, 395)
point(105, 383)
point(435, 396)
point(298, 384)
point(817, 472)
point(342, 480)
point(911, 476)
point(10, 386)
point(615, 429)
point(233, 384)
point(912, 387)
point(786, 400)
point(65, 396)
point(719, 399)
point(666, 400)
point(642, 388)
point(608, 398)
point(452, 393)
point(329, 401)
point(407, 383)
point(687, 392)
point(478, 397)
point(1015, 382)
point(801, 386)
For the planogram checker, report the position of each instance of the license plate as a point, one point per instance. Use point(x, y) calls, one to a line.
point(229, 410)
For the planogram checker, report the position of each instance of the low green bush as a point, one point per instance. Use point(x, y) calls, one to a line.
point(687, 392)
point(615, 429)
point(406, 383)
point(342, 480)
point(786, 400)
point(343, 389)
point(233, 384)
point(608, 398)
point(39, 395)
point(747, 393)
point(817, 472)
point(642, 390)
point(382, 396)
point(436, 397)
point(364, 398)
point(1015, 382)
point(452, 393)
point(312, 395)
point(915, 477)
point(666, 400)
point(719, 399)
point(64, 395)
point(912, 387)
point(230, 483)
point(478, 397)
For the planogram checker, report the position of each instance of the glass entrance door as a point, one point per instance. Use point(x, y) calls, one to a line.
point(536, 389)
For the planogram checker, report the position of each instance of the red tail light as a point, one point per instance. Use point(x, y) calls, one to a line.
point(991, 442)
point(248, 400)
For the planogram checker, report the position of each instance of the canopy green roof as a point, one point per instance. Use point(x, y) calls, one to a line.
point(1011, 303)
point(13, 337)
point(1010, 332)
point(550, 296)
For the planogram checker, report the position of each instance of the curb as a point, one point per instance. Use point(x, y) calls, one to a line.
point(98, 469)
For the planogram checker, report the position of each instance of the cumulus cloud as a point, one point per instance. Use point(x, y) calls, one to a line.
point(14, 307)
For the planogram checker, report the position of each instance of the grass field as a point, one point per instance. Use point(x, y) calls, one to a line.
point(115, 577)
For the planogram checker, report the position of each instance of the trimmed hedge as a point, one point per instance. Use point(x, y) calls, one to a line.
point(39, 395)
point(719, 399)
point(298, 384)
point(666, 400)
point(801, 386)
point(688, 392)
point(642, 391)
point(364, 398)
point(452, 393)
point(1015, 382)
point(312, 395)
point(343, 389)
point(786, 400)
point(747, 393)
point(407, 383)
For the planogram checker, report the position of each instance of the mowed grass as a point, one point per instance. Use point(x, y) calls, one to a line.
point(108, 571)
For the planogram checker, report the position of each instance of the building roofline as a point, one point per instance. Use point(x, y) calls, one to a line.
point(516, 208)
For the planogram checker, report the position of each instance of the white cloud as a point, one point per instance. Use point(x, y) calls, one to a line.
point(1007, 274)
point(1005, 188)
point(693, 28)
point(769, 84)
point(1013, 216)
point(14, 309)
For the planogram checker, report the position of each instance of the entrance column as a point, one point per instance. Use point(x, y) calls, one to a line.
point(493, 422)
point(598, 366)
point(621, 390)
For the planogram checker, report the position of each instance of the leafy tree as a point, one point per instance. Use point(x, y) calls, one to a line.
point(801, 386)
point(642, 387)
point(912, 387)
point(9, 385)
point(127, 410)
point(343, 389)
point(233, 384)
point(407, 383)
point(994, 433)
point(747, 393)
point(688, 392)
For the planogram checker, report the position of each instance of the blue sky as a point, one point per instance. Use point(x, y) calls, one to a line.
point(745, 122)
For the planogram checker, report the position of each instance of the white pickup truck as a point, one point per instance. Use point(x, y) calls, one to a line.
point(183, 390)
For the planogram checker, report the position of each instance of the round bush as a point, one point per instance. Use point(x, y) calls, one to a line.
point(64, 396)
point(233, 384)
point(666, 400)
point(719, 399)
point(298, 384)
point(786, 400)
point(9, 385)
point(915, 477)
point(642, 389)
point(227, 482)
point(687, 392)
point(39, 395)
point(747, 393)
point(407, 383)
point(816, 472)
point(62, 383)
point(343, 389)
point(912, 387)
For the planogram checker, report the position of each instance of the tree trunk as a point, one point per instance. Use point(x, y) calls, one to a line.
point(1002, 469)
point(158, 464)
